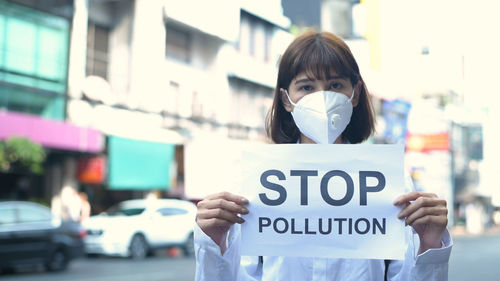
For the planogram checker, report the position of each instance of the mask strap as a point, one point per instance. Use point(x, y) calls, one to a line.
point(286, 92)
point(352, 95)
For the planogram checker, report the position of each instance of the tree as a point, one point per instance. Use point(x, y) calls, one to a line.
point(21, 153)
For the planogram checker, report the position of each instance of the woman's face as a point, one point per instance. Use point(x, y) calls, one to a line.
point(301, 85)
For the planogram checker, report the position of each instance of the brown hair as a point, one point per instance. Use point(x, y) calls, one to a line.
point(318, 53)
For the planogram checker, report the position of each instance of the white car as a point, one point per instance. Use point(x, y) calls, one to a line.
point(135, 228)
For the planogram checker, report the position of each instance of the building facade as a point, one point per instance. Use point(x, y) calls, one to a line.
point(123, 86)
point(34, 59)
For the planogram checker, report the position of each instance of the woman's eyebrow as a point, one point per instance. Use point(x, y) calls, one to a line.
point(304, 80)
point(307, 80)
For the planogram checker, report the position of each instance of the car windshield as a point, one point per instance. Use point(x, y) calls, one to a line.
point(123, 211)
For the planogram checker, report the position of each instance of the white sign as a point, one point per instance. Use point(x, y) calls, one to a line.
point(212, 165)
point(331, 201)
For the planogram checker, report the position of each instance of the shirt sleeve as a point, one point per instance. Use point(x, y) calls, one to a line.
point(432, 265)
point(212, 265)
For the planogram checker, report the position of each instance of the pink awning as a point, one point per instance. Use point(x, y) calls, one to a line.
point(50, 133)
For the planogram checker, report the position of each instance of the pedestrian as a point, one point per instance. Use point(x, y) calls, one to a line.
point(71, 204)
point(318, 68)
point(85, 206)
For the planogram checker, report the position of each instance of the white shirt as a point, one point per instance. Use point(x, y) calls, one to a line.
point(432, 265)
point(212, 266)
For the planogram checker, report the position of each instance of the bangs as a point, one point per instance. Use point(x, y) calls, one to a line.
point(320, 61)
point(320, 56)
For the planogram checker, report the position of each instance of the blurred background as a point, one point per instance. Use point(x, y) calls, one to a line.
point(103, 101)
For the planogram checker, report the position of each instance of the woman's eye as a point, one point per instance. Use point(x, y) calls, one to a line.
point(336, 86)
point(306, 88)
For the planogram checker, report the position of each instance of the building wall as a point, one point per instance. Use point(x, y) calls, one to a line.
point(33, 67)
point(34, 76)
point(303, 13)
point(336, 17)
point(196, 90)
point(176, 75)
point(119, 50)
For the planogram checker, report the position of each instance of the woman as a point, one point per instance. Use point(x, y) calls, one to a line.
point(320, 97)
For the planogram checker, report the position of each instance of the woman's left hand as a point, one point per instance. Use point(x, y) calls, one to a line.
point(427, 214)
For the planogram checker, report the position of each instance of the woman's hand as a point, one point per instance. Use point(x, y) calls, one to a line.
point(217, 212)
point(427, 214)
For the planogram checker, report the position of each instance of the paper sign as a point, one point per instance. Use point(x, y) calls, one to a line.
point(332, 201)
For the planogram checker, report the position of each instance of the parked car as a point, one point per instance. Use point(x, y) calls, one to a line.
point(135, 228)
point(30, 235)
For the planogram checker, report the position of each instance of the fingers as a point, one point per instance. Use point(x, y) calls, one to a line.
point(222, 204)
point(423, 207)
point(240, 200)
point(225, 201)
point(431, 220)
point(411, 196)
point(419, 203)
point(221, 209)
point(424, 214)
point(214, 222)
point(220, 214)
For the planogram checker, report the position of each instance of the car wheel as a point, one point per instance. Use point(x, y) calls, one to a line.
point(188, 246)
point(58, 261)
point(138, 247)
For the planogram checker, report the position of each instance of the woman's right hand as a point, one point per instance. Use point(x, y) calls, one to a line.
point(217, 212)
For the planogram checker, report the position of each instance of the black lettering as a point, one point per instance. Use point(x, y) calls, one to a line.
point(350, 226)
point(324, 188)
point(261, 223)
point(367, 226)
point(293, 228)
point(321, 226)
point(363, 189)
point(303, 174)
point(307, 227)
point(273, 186)
point(340, 224)
point(285, 223)
point(376, 224)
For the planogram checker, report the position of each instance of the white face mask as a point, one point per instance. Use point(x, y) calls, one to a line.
point(322, 116)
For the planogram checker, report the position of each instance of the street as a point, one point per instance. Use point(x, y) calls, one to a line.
point(110, 269)
point(473, 258)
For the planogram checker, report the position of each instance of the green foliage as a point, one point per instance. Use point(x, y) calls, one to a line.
point(21, 153)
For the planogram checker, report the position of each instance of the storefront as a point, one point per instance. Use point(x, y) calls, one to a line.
point(64, 144)
point(131, 169)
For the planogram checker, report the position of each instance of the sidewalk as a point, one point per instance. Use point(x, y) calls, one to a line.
point(461, 231)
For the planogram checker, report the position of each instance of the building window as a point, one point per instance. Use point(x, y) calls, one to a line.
point(33, 61)
point(33, 48)
point(255, 37)
point(178, 45)
point(97, 51)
